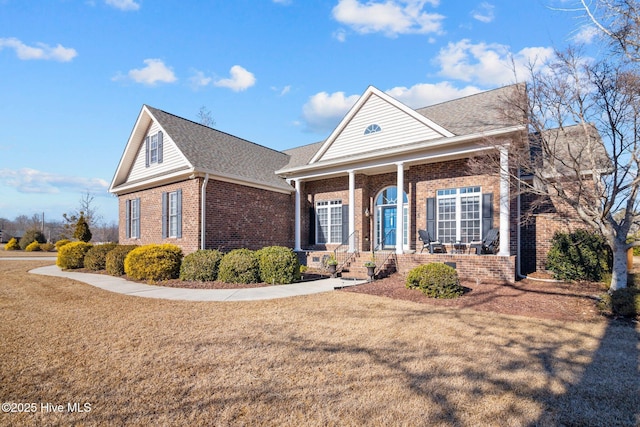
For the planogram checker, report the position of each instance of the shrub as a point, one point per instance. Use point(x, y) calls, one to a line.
point(71, 255)
point(12, 245)
point(623, 302)
point(33, 247)
point(82, 231)
point(47, 247)
point(201, 265)
point(435, 280)
point(96, 257)
point(114, 261)
point(154, 262)
point(61, 243)
point(239, 266)
point(32, 236)
point(278, 265)
point(579, 256)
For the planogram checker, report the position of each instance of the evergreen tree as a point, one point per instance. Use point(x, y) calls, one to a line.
point(82, 231)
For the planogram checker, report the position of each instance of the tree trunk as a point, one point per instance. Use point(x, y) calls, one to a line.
point(619, 270)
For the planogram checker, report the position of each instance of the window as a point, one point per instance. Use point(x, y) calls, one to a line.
point(372, 129)
point(459, 214)
point(153, 148)
point(329, 221)
point(132, 219)
point(172, 214)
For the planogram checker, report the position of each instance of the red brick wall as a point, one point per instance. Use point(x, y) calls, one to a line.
point(485, 268)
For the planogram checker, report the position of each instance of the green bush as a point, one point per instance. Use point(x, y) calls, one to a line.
point(33, 247)
point(30, 237)
point(47, 247)
point(12, 245)
point(580, 255)
point(239, 266)
point(278, 265)
point(435, 280)
point(96, 257)
point(71, 256)
point(114, 261)
point(154, 262)
point(61, 243)
point(201, 265)
point(623, 302)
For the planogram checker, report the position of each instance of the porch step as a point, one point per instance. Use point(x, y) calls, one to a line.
point(356, 269)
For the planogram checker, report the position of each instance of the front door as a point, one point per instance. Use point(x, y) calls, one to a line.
point(388, 227)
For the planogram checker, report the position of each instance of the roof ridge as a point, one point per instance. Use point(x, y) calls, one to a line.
point(484, 92)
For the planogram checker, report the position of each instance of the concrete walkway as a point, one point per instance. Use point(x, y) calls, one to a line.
point(122, 286)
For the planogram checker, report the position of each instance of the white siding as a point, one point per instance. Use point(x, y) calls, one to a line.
point(398, 128)
point(172, 158)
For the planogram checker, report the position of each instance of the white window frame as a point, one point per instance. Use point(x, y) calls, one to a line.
point(153, 149)
point(134, 219)
point(458, 196)
point(331, 212)
point(172, 214)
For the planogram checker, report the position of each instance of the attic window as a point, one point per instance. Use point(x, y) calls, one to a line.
point(372, 129)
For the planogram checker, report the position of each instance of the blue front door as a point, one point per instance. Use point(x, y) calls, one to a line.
point(389, 222)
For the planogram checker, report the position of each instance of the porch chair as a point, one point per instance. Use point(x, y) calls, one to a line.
point(488, 245)
point(428, 242)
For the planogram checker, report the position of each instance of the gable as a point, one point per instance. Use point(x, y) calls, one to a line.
point(394, 125)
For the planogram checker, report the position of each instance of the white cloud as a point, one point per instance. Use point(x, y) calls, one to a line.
point(425, 94)
point(324, 111)
point(586, 34)
point(37, 182)
point(199, 79)
point(39, 51)
point(123, 4)
point(488, 64)
point(239, 80)
point(340, 35)
point(484, 13)
point(155, 72)
point(391, 17)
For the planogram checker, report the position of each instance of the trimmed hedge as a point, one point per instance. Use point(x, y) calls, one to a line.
point(239, 266)
point(31, 236)
point(435, 280)
point(201, 266)
point(71, 256)
point(96, 257)
point(33, 247)
point(61, 243)
point(47, 247)
point(580, 255)
point(154, 262)
point(114, 261)
point(12, 245)
point(278, 265)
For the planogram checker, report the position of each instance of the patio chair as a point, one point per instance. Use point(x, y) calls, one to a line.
point(428, 242)
point(488, 245)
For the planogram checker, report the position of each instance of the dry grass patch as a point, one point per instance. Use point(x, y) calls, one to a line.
point(328, 359)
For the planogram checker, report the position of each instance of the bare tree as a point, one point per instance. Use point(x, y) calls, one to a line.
point(87, 210)
point(205, 117)
point(581, 153)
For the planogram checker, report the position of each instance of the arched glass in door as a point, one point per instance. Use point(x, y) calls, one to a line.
point(386, 218)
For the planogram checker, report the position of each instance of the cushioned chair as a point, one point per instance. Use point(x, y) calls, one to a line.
point(488, 245)
point(428, 242)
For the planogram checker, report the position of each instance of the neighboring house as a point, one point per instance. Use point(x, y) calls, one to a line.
point(384, 173)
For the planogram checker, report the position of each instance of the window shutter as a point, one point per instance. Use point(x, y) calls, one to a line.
point(160, 147)
point(431, 217)
point(487, 213)
point(312, 226)
point(345, 223)
point(164, 215)
point(146, 151)
point(179, 209)
point(127, 220)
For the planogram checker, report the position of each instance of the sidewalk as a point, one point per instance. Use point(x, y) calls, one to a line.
point(122, 286)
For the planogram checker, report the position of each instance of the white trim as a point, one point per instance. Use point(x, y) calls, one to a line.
point(400, 208)
point(504, 203)
point(297, 227)
point(352, 211)
point(203, 212)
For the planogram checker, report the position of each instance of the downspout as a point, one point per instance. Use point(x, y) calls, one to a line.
point(203, 211)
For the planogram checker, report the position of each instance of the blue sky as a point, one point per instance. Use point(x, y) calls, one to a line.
point(74, 74)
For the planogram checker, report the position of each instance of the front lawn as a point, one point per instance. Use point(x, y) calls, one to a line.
point(336, 358)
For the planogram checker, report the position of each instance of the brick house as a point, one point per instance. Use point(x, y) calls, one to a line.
point(385, 168)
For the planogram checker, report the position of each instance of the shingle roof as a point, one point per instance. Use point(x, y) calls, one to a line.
point(481, 112)
point(210, 150)
point(301, 156)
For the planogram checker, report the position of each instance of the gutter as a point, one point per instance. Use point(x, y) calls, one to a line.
point(203, 211)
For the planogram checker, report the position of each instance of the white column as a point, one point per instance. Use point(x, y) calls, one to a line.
point(352, 211)
point(297, 231)
point(504, 202)
point(399, 209)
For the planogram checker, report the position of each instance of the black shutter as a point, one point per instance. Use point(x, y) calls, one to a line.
point(127, 218)
point(431, 217)
point(160, 147)
point(146, 151)
point(487, 213)
point(312, 226)
point(164, 215)
point(179, 209)
point(345, 223)
point(137, 228)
